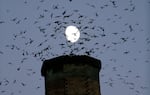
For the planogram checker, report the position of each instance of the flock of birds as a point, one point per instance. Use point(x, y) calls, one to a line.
point(42, 37)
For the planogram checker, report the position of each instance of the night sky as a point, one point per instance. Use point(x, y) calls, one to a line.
point(113, 31)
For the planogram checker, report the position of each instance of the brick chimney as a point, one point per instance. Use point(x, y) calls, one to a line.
point(72, 75)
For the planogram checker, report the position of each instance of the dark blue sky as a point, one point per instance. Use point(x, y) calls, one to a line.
point(113, 31)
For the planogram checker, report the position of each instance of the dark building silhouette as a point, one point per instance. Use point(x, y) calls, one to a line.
point(72, 75)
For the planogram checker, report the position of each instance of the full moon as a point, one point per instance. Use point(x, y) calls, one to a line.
point(72, 34)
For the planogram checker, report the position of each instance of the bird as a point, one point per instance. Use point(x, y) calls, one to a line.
point(1, 22)
point(1, 52)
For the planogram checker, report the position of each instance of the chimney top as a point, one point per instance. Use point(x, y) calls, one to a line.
point(66, 59)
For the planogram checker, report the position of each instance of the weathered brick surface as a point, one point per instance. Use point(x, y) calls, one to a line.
point(72, 79)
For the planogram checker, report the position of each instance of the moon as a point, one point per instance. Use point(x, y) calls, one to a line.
point(72, 34)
